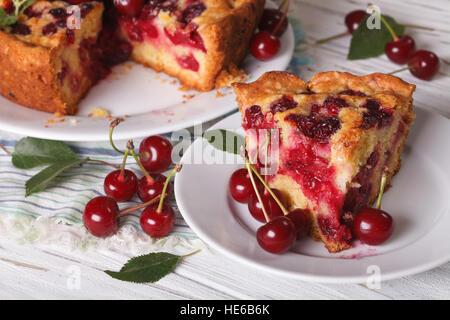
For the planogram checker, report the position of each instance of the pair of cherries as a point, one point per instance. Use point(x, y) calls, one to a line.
point(282, 228)
point(265, 44)
point(423, 64)
point(101, 213)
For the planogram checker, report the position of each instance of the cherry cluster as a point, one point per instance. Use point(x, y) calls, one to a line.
point(155, 156)
point(282, 227)
point(265, 44)
point(423, 64)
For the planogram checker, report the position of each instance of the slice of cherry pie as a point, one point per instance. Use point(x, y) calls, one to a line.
point(335, 135)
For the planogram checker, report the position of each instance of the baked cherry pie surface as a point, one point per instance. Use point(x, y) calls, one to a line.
point(49, 66)
point(334, 135)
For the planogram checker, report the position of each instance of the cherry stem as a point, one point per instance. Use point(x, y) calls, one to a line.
point(285, 212)
point(103, 162)
point(274, 32)
point(143, 205)
point(266, 216)
point(391, 31)
point(5, 150)
point(112, 126)
point(166, 183)
point(122, 169)
point(402, 69)
point(191, 254)
point(414, 26)
point(150, 180)
point(340, 35)
point(382, 186)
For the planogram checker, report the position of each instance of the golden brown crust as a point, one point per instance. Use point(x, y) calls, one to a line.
point(28, 75)
point(30, 65)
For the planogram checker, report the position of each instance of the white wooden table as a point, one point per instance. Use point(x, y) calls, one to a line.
point(208, 275)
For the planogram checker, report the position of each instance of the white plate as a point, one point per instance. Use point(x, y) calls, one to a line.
point(418, 202)
point(152, 101)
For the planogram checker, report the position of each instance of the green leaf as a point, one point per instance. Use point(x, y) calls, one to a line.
point(224, 140)
point(32, 152)
point(40, 181)
point(25, 5)
point(147, 268)
point(368, 43)
point(5, 19)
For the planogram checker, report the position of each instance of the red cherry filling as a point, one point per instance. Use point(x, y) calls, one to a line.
point(375, 115)
point(192, 11)
point(373, 226)
point(283, 104)
point(120, 187)
point(272, 208)
point(277, 236)
point(315, 127)
point(20, 28)
point(157, 224)
point(254, 118)
point(188, 62)
point(353, 93)
point(100, 216)
point(188, 36)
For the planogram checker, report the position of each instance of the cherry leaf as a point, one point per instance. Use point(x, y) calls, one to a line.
point(42, 180)
point(5, 19)
point(224, 140)
point(368, 43)
point(33, 152)
point(147, 268)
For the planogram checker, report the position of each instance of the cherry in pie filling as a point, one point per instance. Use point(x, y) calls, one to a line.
point(336, 134)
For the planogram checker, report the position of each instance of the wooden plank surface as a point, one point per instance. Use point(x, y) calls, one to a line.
point(51, 272)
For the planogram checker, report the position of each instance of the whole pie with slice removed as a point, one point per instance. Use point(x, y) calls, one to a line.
point(334, 136)
point(50, 64)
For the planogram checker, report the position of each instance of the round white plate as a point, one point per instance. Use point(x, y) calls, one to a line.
point(418, 202)
point(152, 102)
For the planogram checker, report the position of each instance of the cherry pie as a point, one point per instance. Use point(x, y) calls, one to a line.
point(336, 134)
point(48, 66)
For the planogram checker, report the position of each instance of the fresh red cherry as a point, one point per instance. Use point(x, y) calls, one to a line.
point(301, 221)
point(424, 64)
point(241, 186)
point(100, 216)
point(272, 208)
point(120, 187)
point(277, 236)
point(157, 224)
point(156, 154)
point(148, 190)
point(264, 46)
point(131, 8)
point(373, 226)
point(270, 19)
point(401, 49)
point(354, 18)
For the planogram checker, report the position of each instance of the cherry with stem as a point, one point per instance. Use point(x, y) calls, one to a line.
point(158, 221)
point(121, 184)
point(101, 215)
point(373, 225)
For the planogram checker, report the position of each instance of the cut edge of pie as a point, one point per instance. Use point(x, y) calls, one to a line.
point(337, 133)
